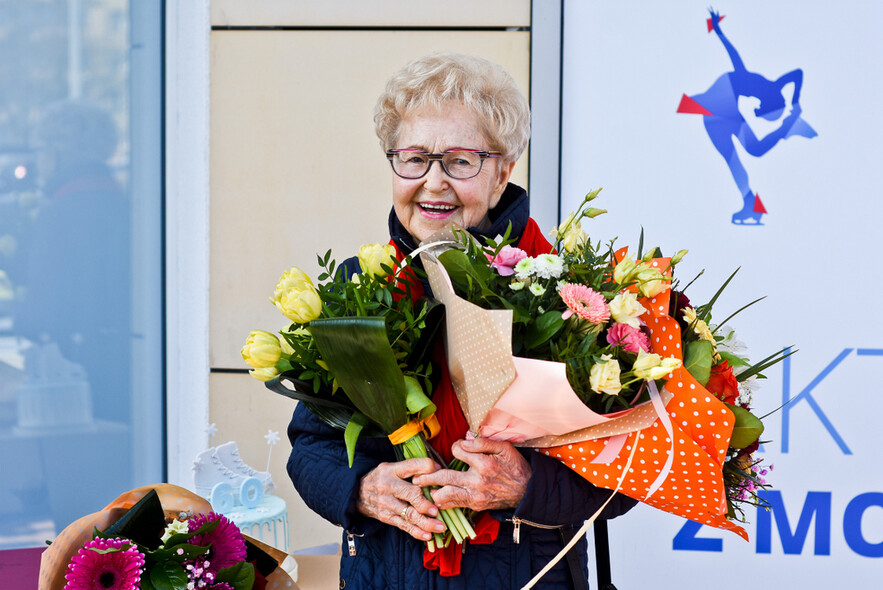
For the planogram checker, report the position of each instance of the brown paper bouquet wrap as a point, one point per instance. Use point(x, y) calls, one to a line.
point(174, 500)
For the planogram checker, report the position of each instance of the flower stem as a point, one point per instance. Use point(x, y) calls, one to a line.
point(454, 518)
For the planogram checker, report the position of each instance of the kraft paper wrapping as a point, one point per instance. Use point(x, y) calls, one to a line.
point(478, 345)
point(174, 500)
point(682, 439)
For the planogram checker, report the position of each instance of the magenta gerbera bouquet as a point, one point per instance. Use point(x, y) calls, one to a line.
point(204, 551)
point(139, 542)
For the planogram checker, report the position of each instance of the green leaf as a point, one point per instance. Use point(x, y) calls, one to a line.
point(351, 434)
point(168, 576)
point(743, 308)
point(704, 311)
point(460, 267)
point(747, 430)
point(545, 326)
point(698, 360)
point(416, 400)
point(336, 412)
point(763, 364)
point(240, 576)
point(176, 542)
point(732, 359)
point(358, 353)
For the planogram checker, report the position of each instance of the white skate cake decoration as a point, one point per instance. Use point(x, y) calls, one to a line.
point(242, 493)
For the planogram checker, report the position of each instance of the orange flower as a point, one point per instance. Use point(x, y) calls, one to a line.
point(723, 383)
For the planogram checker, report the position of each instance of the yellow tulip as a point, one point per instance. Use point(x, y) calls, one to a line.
point(301, 307)
point(296, 297)
point(371, 256)
point(265, 374)
point(293, 279)
point(261, 350)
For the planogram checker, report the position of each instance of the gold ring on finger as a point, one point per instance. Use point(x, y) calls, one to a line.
point(404, 513)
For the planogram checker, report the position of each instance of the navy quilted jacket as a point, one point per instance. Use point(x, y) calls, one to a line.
point(378, 556)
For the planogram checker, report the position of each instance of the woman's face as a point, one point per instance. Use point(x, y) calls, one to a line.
point(428, 204)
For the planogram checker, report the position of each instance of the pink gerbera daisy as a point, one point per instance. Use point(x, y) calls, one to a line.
point(585, 303)
point(118, 569)
point(227, 545)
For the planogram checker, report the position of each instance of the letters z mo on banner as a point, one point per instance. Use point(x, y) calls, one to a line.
point(791, 521)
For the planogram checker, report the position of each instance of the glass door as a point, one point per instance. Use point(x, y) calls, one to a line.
point(80, 259)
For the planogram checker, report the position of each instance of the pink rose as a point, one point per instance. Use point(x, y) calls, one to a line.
point(506, 260)
point(629, 338)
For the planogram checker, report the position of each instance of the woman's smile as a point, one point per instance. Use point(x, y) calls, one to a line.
point(437, 210)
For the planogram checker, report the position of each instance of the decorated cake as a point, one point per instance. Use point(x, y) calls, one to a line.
point(242, 494)
point(267, 522)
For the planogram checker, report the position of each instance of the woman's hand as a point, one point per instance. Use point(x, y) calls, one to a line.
point(497, 477)
point(386, 494)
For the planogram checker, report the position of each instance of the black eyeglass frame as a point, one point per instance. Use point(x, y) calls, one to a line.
point(482, 155)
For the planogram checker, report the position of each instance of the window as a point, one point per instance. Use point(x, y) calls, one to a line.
point(80, 259)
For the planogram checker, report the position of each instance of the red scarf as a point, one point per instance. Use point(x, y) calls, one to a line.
point(450, 414)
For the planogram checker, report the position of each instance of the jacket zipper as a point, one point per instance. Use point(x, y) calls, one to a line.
point(516, 527)
point(351, 543)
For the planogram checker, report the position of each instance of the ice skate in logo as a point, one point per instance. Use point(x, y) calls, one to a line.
point(777, 103)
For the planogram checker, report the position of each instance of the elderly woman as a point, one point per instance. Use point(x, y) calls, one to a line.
point(453, 127)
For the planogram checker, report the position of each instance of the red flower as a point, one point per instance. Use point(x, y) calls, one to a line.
point(723, 383)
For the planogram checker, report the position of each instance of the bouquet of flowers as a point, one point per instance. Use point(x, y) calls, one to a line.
point(357, 353)
point(628, 369)
point(136, 544)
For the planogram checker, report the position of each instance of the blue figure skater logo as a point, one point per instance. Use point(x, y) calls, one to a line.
point(719, 106)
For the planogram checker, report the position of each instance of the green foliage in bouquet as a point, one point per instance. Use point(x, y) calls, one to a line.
point(296, 368)
point(357, 353)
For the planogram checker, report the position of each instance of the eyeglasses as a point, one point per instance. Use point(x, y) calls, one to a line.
point(460, 164)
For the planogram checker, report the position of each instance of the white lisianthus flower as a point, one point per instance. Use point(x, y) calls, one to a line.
point(548, 266)
point(525, 268)
point(649, 365)
point(625, 309)
point(537, 289)
point(571, 234)
point(730, 344)
point(746, 389)
point(651, 282)
point(604, 376)
point(176, 527)
point(624, 271)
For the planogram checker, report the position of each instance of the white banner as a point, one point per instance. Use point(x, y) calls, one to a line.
point(757, 147)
